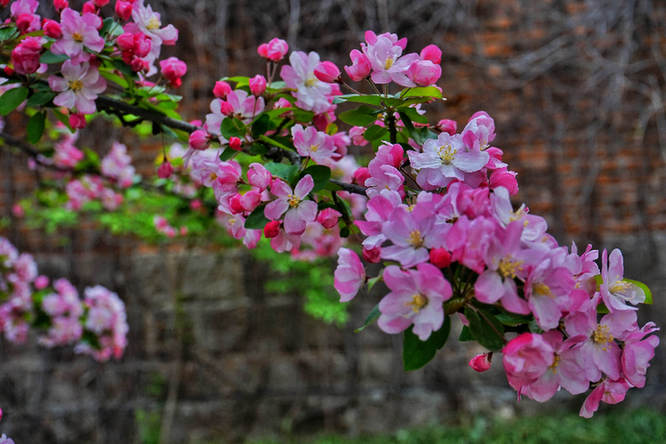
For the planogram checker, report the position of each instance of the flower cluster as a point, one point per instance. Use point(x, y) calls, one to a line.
point(96, 326)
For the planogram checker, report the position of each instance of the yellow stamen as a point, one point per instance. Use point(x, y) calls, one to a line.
point(602, 336)
point(508, 267)
point(153, 23)
point(313, 148)
point(293, 201)
point(619, 287)
point(415, 239)
point(389, 63)
point(556, 362)
point(312, 81)
point(75, 85)
point(541, 289)
point(77, 37)
point(417, 303)
point(447, 153)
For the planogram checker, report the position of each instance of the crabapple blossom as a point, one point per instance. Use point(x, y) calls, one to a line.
point(311, 93)
point(296, 209)
point(79, 31)
point(615, 291)
point(349, 274)
point(79, 87)
point(274, 50)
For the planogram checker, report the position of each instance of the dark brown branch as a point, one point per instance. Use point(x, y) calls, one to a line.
point(350, 187)
point(114, 106)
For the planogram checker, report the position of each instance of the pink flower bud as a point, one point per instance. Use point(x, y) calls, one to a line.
point(77, 120)
point(101, 3)
point(235, 143)
point(258, 176)
point(432, 53)
point(196, 204)
point(372, 255)
point(52, 29)
point(173, 69)
point(328, 217)
point(282, 103)
point(424, 72)
point(183, 231)
point(199, 140)
point(235, 204)
point(480, 363)
point(447, 126)
point(327, 72)
point(221, 89)
point(257, 85)
point(165, 170)
point(356, 134)
point(60, 4)
point(397, 155)
point(226, 108)
point(272, 229)
point(41, 282)
point(504, 178)
point(89, 7)
point(274, 50)
point(361, 175)
point(123, 9)
point(139, 65)
point(440, 257)
point(24, 22)
point(17, 210)
point(360, 67)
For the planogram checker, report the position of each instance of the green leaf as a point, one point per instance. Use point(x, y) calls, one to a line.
point(35, 127)
point(282, 170)
point(370, 99)
point(8, 33)
point(424, 91)
point(232, 127)
point(12, 98)
point(320, 175)
point(372, 317)
point(413, 115)
point(272, 141)
point(417, 353)
point(642, 286)
point(239, 80)
point(124, 68)
point(485, 328)
point(373, 281)
point(113, 78)
point(512, 319)
point(361, 116)
point(261, 124)
point(257, 149)
point(375, 132)
point(227, 154)
point(465, 335)
point(40, 98)
point(256, 220)
point(407, 122)
point(48, 57)
point(111, 27)
point(301, 115)
point(62, 118)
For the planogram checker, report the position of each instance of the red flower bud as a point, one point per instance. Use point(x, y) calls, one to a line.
point(272, 229)
point(440, 257)
point(481, 362)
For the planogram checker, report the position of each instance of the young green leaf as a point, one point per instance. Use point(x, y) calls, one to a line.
point(361, 116)
point(375, 132)
point(256, 220)
point(485, 328)
point(372, 317)
point(417, 353)
point(232, 127)
point(12, 98)
point(320, 175)
point(425, 91)
point(48, 57)
point(642, 286)
point(282, 170)
point(35, 127)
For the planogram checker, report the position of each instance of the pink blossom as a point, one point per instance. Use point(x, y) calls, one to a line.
point(52, 29)
point(610, 392)
point(173, 69)
point(77, 120)
point(424, 72)
point(78, 87)
point(299, 211)
point(349, 274)
point(25, 56)
point(479, 131)
point(312, 143)
point(4, 439)
point(416, 298)
point(59, 5)
point(637, 353)
point(23, 12)
point(615, 291)
point(312, 93)
point(384, 52)
point(199, 140)
point(150, 24)
point(258, 176)
point(107, 319)
point(165, 170)
point(445, 159)
point(123, 9)
point(78, 32)
point(272, 229)
point(380, 207)
point(117, 164)
point(526, 358)
point(274, 50)
point(360, 67)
